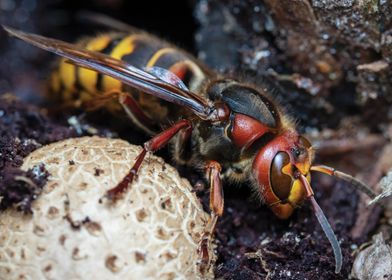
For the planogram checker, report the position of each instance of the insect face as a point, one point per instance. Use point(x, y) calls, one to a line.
point(279, 168)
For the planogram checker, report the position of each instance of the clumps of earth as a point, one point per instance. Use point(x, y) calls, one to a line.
point(23, 129)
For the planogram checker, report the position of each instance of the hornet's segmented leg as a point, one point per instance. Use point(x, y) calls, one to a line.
point(99, 101)
point(129, 104)
point(152, 145)
point(213, 170)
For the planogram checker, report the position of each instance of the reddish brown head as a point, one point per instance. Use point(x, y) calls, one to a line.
point(282, 172)
point(278, 168)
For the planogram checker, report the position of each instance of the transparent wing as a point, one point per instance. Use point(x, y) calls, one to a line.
point(122, 71)
point(167, 76)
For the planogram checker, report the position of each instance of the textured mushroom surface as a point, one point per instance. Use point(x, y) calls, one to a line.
point(152, 232)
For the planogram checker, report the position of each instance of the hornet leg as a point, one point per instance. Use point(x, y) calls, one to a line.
point(213, 169)
point(130, 105)
point(152, 145)
point(100, 100)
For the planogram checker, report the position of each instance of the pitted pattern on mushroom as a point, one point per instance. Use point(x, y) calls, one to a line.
point(151, 233)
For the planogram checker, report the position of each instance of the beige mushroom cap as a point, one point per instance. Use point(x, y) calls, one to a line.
point(150, 233)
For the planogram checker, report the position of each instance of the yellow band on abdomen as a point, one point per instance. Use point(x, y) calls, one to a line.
point(124, 47)
point(88, 78)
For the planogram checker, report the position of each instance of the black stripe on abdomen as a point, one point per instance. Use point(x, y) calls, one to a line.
point(107, 51)
point(142, 52)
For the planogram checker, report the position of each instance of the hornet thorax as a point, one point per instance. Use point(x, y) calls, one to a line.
point(252, 121)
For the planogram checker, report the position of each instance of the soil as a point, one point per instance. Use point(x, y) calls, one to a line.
point(260, 42)
point(23, 129)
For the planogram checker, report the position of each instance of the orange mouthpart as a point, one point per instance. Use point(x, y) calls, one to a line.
point(303, 167)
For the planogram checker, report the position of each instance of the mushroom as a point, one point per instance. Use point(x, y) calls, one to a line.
point(375, 261)
point(152, 232)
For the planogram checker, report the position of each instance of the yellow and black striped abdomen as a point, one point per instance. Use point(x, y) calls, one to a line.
point(77, 86)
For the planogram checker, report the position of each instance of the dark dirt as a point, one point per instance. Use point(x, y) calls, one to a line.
point(330, 77)
point(23, 129)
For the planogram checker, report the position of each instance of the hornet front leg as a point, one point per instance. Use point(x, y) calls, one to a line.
point(152, 145)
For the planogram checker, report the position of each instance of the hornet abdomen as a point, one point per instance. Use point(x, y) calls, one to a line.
point(77, 86)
